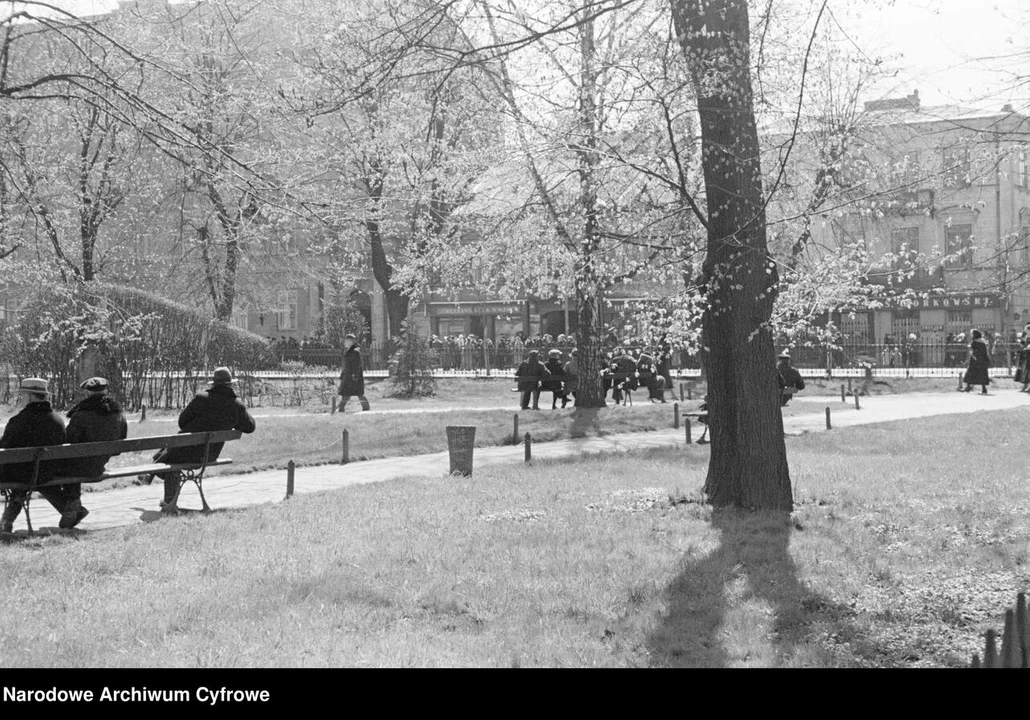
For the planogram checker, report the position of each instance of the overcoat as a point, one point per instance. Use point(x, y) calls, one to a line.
point(979, 362)
point(95, 419)
point(352, 377)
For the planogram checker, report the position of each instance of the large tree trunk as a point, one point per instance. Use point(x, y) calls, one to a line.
point(588, 360)
point(748, 466)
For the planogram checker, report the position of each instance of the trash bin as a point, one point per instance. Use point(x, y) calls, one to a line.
point(460, 441)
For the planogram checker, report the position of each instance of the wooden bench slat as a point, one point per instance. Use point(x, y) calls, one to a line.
point(113, 447)
point(151, 469)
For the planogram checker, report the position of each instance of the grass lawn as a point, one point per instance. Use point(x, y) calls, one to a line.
point(908, 540)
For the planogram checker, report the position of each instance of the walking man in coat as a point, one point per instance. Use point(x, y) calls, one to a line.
point(352, 377)
point(96, 418)
point(217, 408)
point(35, 424)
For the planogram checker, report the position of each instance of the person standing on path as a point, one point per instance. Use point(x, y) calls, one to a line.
point(35, 424)
point(790, 379)
point(554, 381)
point(96, 418)
point(979, 363)
point(352, 376)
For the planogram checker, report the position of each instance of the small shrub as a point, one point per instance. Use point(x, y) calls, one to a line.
point(411, 366)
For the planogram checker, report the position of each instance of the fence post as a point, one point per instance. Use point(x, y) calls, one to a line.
point(686, 429)
point(1022, 630)
point(143, 412)
point(960, 381)
point(675, 416)
point(681, 392)
point(529, 447)
point(515, 430)
point(346, 448)
point(690, 391)
point(290, 468)
point(842, 395)
point(828, 418)
point(333, 411)
point(856, 402)
point(1011, 656)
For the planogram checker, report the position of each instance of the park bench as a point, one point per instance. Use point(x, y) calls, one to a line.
point(188, 472)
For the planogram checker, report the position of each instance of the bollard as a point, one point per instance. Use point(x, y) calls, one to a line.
point(842, 395)
point(690, 391)
point(681, 392)
point(686, 430)
point(515, 431)
point(675, 416)
point(856, 402)
point(346, 448)
point(143, 413)
point(333, 411)
point(529, 448)
point(960, 382)
point(290, 468)
point(827, 418)
point(849, 384)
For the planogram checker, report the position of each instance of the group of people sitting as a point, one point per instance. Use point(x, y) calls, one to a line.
point(622, 373)
point(97, 417)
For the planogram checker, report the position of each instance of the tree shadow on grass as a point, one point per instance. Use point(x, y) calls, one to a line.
point(743, 604)
point(585, 421)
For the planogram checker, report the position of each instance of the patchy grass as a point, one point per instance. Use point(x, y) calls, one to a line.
point(908, 540)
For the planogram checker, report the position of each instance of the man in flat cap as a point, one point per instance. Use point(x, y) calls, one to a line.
point(216, 408)
point(96, 418)
point(36, 423)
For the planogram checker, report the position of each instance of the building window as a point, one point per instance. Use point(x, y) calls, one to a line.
point(906, 171)
point(287, 313)
point(957, 168)
point(958, 245)
point(905, 248)
point(959, 321)
point(1021, 171)
point(1022, 246)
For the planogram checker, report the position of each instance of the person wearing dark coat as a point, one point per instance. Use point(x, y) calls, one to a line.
point(35, 424)
point(624, 374)
point(217, 408)
point(352, 376)
point(790, 379)
point(979, 363)
point(650, 379)
point(529, 375)
point(1023, 370)
point(555, 381)
point(96, 418)
point(664, 366)
point(572, 375)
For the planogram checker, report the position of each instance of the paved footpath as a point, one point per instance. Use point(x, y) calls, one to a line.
point(138, 504)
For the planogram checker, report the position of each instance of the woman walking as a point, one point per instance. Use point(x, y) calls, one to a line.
point(979, 362)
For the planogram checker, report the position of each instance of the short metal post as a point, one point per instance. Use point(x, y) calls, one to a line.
point(828, 418)
point(333, 411)
point(856, 402)
point(849, 384)
point(959, 382)
point(515, 430)
point(686, 429)
point(346, 448)
point(681, 392)
point(690, 391)
point(143, 412)
point(529, 447)
point(290, 468)
point(842, 395)
point(675, 415)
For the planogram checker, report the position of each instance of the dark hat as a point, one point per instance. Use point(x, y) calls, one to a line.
point(34, 385)
point(349, 336)
point(222, 376)
point(784, 354)
point(94, 384)
point(554, 353)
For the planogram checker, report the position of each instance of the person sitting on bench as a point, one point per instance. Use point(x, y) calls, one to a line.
point(790, 379)
point(35, 424)
point(95, 418)
point(217, 408)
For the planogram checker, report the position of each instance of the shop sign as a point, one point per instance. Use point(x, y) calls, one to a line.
point(942, 302)
point(464, 309)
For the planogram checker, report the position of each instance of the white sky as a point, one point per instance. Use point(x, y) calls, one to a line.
point(952, 51)
point(943, 48)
